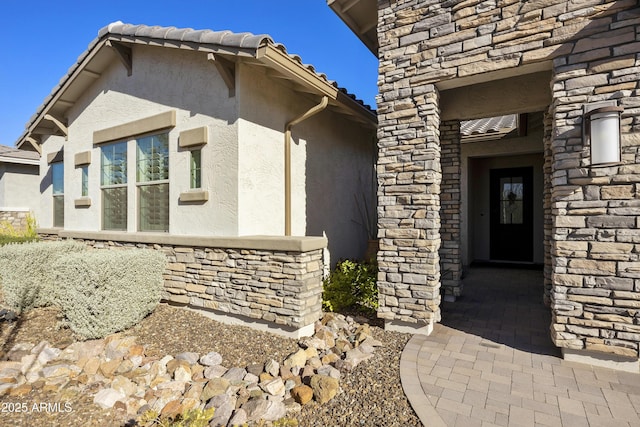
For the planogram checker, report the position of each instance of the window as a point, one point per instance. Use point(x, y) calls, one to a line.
point(152, 174)
point(196, 169)
point(85, 180)
point(57, 178)
point(113, 182)
point(511, 200)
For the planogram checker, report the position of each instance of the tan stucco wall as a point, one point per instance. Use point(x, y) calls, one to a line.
point(332, 159)
point(163, 80)
point(19, 186)
point(44, 208)
point(242, 162)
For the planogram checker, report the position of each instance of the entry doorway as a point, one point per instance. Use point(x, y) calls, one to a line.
point(511, 214)
point(519, 238)
point(514, 159)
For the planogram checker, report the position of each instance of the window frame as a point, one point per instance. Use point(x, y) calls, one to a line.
point(143, 183)
point(195, 169)
point(57, 194)
point(111, 186)
point(84, 181)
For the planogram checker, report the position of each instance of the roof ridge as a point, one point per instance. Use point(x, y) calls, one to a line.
point(245, 39)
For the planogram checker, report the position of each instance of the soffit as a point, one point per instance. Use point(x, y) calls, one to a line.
point(361, 16)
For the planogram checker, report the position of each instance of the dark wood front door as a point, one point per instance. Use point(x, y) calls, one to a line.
point(511, 198)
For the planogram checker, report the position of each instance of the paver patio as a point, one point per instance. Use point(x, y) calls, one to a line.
point(491, 362)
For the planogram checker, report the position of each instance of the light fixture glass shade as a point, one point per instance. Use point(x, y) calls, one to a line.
point(604, 132)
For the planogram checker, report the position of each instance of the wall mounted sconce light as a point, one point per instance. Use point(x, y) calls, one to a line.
point(603, 132)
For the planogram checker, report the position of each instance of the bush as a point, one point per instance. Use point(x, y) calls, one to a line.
point(190, 418)
point(8, 234)
point(6, 239)
point(351, 285)
point(26, 272)
point(106, 291)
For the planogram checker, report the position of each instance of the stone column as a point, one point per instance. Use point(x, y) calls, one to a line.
point(450, 252)
point(409, 176)
point(548, 218)
point(596, 226)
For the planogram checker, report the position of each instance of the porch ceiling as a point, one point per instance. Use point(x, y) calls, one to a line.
point(520, 94)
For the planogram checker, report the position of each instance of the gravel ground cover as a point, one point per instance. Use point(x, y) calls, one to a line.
point(372, 393)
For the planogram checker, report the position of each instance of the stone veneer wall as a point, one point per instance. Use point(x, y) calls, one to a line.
point(450, 251)
point(593, 227)
point(548, 217)
point(596, 211)
point(278, 286)
point(15, 218)
point(409, 176)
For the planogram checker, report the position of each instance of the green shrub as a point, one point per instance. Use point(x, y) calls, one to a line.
point(190, 418)
point(6, 239)
point(7, 229)
point(351, 285)
point(8, 234)
point(106, 291)
point(26, 272)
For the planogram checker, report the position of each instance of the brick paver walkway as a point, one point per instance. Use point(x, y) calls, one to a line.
point(491, 362)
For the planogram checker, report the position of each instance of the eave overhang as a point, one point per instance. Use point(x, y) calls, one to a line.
point(110, 46)
point(6, 159)
point(361, 16)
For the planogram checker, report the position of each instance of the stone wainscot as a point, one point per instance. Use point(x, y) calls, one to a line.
point(266, 282)
point(17, 218)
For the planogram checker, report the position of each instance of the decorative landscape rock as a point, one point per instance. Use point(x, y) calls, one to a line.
point(211, 359)
point(302, 394)
point(324, 388)
point(8, 315)
point(119, 374)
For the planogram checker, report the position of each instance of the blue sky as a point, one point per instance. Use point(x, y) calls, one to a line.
point(41, 39)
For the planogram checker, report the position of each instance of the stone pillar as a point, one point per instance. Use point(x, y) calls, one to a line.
point(596, 227)
point(548, 218)
point(450, 252)
point(409, 176)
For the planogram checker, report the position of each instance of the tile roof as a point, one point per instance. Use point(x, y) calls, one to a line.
point(187, 38)
point(500, 124)
point(209, 37)
point(14, 153)
point(222, 38)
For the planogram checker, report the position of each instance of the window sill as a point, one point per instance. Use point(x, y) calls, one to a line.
point(194, 196)
point(83, 202)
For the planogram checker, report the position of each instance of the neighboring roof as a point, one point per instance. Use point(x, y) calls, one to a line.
point(12, 155)
point(114, 40)
point(490, 128)
point(361, 16)
point(500, 124)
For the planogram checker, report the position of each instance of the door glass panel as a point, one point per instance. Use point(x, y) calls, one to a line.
point(511, 200)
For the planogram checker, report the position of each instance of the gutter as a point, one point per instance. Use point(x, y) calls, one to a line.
point(19, 161)
point(287, 159)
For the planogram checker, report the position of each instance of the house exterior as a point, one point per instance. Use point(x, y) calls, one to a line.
point(19, 186)
point(444, 63)
point(169, 136)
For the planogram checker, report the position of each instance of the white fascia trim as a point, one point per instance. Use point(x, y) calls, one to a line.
point(4, 159)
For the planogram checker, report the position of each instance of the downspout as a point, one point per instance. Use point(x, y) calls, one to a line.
point(287, 159)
